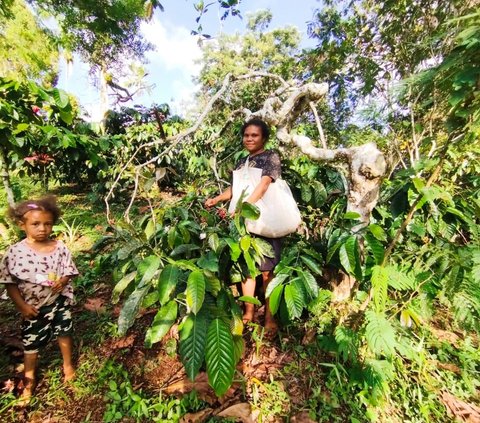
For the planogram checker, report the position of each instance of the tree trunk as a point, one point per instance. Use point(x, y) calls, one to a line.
point(6, 178)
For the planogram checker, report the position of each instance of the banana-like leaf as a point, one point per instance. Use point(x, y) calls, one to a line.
point(167, 282)
point(192, 347)
point(162, 322)
point(220, 356)
point(195, 291)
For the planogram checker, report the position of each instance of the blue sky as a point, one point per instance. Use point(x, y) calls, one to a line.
point(171, 65)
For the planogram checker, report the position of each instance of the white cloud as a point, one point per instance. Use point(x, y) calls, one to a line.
point(175, 48)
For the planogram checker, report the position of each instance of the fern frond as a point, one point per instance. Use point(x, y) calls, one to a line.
point(379, 333)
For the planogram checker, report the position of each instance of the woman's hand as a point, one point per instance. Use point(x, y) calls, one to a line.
point(211, 202)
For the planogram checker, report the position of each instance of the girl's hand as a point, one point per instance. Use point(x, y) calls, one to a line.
point(59, 284)
point(28, 311)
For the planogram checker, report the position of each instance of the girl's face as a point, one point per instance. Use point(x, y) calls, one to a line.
point(253, 139)
point(37, 225)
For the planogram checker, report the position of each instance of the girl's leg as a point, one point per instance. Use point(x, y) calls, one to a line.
point(248, 288)
point(30, 366)
point(270, 323)
point(65, 343)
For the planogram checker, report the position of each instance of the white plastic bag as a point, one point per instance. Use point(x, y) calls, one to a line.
point(279, 214)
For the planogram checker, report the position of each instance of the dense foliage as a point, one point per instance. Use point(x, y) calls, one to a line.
point(408, 70)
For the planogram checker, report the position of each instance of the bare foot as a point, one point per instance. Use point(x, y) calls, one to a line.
point(271, 328)
point(247, 318)
point(68, 373)
point(27, 393)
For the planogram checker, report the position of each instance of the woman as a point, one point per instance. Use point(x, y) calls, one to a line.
point(255, 134)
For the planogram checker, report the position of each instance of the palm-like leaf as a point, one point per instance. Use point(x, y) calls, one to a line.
point(192, 343)
point(220, 356)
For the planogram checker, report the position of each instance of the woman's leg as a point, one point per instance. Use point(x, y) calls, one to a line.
point(270, 323)
point(248, 288)
point(65, 343)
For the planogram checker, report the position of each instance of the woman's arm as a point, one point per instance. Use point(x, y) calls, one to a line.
point(28, 311)
point(259, 190)
point(224, 196)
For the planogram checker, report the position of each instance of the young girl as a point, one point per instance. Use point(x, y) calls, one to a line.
point(37, 273)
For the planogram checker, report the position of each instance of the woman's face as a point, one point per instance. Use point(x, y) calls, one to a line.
point(253, 139)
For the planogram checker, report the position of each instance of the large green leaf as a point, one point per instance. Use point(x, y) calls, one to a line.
point(250, 211)
point(375, 247)
point(235, 249)
point(311, 264)
point(377, 231)
point(122, 285)
point(167, 282)
point(294, 300)
point(238, 348)
point(276, 281)
point(184, 249)
point(310, 283)
point(379, 333)
point(252, 268)
point(147, 268)
point(130, 309)
point(61, 98)
point(192, 343)
point(347, 254)
point(195, 291)
point(162, 322)
point(208, 261)
point(220, 357)
point(212, 284)
point(275, 298)
point(248, 299)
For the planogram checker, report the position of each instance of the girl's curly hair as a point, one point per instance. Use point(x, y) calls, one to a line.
point(47, 203)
